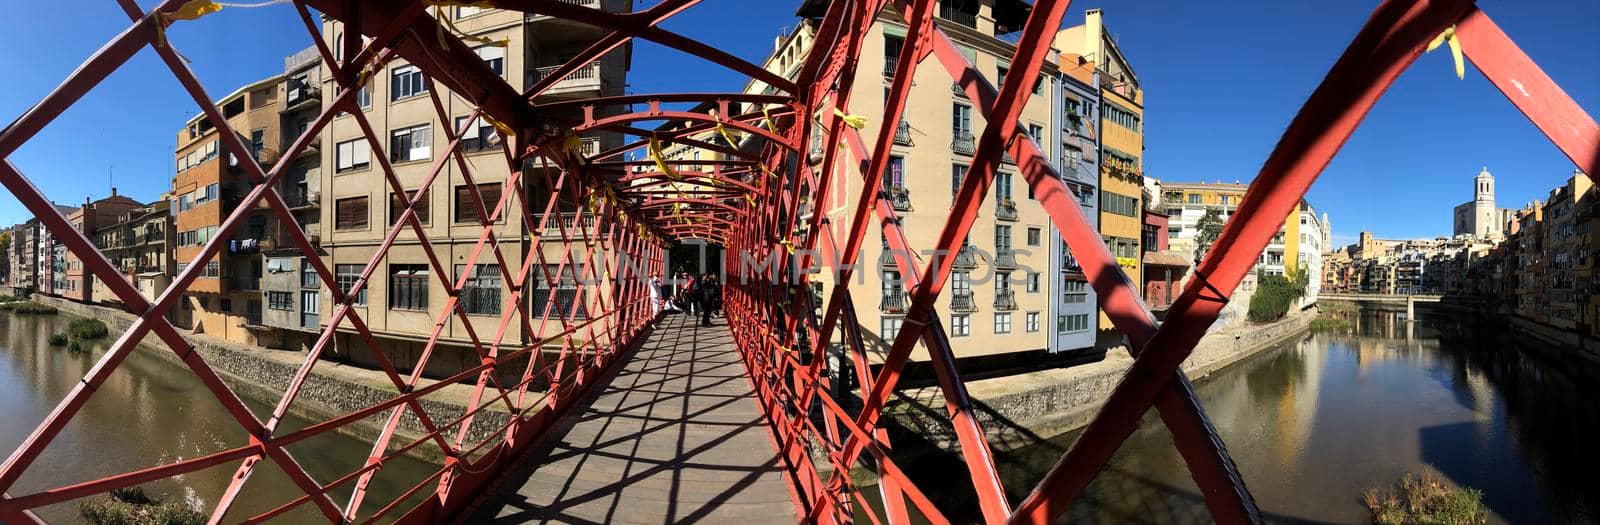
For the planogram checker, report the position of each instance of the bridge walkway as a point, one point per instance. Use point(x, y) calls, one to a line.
point(675, 436)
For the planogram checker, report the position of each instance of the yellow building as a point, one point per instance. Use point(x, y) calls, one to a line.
point(1121, 141)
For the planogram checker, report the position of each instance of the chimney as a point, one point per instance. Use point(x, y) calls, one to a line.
point(1091, 35)
point(113, 191)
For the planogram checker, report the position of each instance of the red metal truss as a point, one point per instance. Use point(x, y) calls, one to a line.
point(613, 213)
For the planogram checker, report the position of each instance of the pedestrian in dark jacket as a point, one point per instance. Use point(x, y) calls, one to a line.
point(710, 292)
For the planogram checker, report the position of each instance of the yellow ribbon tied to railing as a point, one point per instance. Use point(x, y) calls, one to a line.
point(655, 155)
point(854, 121)
point(766, 118)
point(724, 131)
point(1449, 36)
point(504, 129)
point(191, 10)
point(574, 147)
point(787, 246)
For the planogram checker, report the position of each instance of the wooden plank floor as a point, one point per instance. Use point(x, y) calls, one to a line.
point(676, 436)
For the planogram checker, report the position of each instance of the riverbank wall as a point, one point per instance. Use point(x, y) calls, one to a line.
point(332, 389)
point(1562, 345)
point(1024, 409)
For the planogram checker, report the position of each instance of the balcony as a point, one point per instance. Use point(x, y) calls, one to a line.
point(303, 96)
point(902, 134)
point(575, 224)
point(1005, 300)
point(963, 144)
point(1005, 258)
point(585, 79)
point(966, 258)
point(899, 197)
point(302, 197)
point(1006, 210)
point(889, 63)
point(244, 284)
point(893, 302)
point(955, 14)
point(961, 301)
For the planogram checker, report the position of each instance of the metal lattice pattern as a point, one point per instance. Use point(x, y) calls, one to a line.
point(750, 202)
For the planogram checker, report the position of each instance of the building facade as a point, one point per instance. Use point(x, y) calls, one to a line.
point(75, 282)
point(139, 243)
point(999, 301)
point(402, 301)
point(1479, 217)
point(1074, 303)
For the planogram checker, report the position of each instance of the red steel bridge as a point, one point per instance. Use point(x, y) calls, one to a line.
point(748, 203)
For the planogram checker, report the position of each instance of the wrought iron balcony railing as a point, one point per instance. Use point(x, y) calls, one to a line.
point(963, 144)
point(902, 134)
point(1006, 210)
point(1005, 300)
point(893, 302)
point(899, 197)
point(961, 301)
point(966, 258)
point(1005, 258)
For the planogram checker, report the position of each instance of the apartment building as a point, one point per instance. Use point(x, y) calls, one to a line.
point(1073, 303)
point(289, 285)
point(1121, 141)
point(23, 276)
point(75, 281)
point(139, 243)
point(1566, 244)
point(998, 303)
point(402, 302)
point(225, 300)
point(51, 257)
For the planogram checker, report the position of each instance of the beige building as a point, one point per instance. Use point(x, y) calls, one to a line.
point(997, 302)
point(402, 302)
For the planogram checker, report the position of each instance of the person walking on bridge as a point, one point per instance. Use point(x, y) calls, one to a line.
point(710, 293)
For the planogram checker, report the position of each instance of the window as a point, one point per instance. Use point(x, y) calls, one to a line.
point(1119, 204)
point(406, 81)
point(1121, 117)
point(258, 141)
point(412, 143)
point(466, 211)
point(1073, 323)
point(960, 325)
point(1194, 198)
point(397, 205)
point(961, 121)
point(1061, 324)
point(1002, 282)
point(1037, 132)
point(1034, 235)
point(957, 172)
point(895, 175)
point(494, 56)
point(961, 282)
point(1002, 323)
point(353, 155)
point(466, 11)
point(1227, 199)
point(1002, 187)
point(477, 137)
point(1074, 292)
point(889, 328)
point(308, 275)
point(1002, 238)
point(1033, 282)
point(280, 301)
point(227, 304)
point(345, 275)
point(364, 97)
point(408, 286)
point(184, 203)
point(481, 294)
point(350, 214)
point(1030, 322)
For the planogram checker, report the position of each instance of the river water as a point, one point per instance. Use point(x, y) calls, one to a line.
point(1314, 423)
point(152, 412)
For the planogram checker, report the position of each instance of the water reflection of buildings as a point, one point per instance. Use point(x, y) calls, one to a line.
point(1297, 407)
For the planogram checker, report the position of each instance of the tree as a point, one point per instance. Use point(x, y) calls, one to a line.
point(1210, 227)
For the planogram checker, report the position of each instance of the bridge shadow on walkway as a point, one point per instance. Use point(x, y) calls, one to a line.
point(676, 436)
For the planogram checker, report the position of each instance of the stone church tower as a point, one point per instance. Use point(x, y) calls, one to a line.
point(1478, 217)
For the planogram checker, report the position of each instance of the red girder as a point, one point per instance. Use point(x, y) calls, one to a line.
point(750, 203)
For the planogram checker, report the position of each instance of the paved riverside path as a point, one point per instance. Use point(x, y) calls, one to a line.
point(676, 436)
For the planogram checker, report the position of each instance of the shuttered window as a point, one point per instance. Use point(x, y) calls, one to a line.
point(466, 211)
point(408, 286)
point(353, 155)
point(397, 204)
point(350, 214)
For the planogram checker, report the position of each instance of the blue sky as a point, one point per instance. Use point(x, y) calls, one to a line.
point(1222, 79)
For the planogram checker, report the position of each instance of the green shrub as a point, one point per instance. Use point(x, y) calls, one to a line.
point(1426, 499)
point(4, 307)
point(58, 339)
point(131, 506)
point(1275, 295)
point(74, 346)
point(35, 308)
point(87, 328)
point(1330, 324)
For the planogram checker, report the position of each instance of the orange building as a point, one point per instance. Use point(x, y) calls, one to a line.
point(86, 220)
